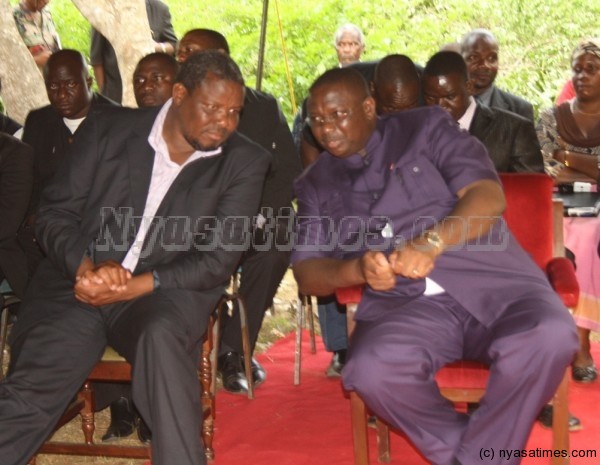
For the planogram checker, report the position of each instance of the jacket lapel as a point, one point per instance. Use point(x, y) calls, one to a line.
point(141, 160)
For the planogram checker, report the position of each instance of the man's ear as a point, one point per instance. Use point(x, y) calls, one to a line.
point(470, 87)
point(89, 81)
point(369, 108)
point(179, 93)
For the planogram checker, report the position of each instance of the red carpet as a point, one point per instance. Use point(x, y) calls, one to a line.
point(310, 424)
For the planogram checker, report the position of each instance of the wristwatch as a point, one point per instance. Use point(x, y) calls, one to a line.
point(434, 239)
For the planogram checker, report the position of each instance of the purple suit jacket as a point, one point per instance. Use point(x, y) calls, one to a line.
point(415, 163)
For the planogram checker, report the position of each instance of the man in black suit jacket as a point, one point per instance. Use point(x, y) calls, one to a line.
point(52, 129)
point(143, 225)
point(264, 264)
point(16, 179)
point(510, 139)
point(479, 48)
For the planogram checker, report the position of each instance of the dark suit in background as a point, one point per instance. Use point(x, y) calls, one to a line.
point(8, 125)
point(510, 140)
point(16, 179)
point(510, 102)
point(262, 270)
point(45, 131)
point(93, 206)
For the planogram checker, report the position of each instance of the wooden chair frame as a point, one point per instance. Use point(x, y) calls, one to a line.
point(304, 313)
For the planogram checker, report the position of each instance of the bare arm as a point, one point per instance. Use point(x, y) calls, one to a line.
point(322, 276)
point(479, 206)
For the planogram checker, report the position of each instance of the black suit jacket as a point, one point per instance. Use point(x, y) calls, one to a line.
point(16, 177)
point(510, 140)
point(263, 122)
point(94, 203)
point(510, 102)
point(8, 125)
point(50, 138)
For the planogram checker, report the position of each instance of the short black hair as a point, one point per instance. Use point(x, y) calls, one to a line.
point(396, 68)
point(66, 54)
point(346, 76)
point(195, 69)
point(167, 60)
point(215, 39)
point(444, 63)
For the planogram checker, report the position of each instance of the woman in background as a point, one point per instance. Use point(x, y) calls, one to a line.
point(37, 29)
point(569, 135)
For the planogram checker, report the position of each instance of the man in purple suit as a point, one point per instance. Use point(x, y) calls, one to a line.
point(410, 206)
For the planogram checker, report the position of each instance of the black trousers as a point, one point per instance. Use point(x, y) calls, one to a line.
point(57, 341)
point(262, 269)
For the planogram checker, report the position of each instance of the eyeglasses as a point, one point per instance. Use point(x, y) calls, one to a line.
point(337, 117)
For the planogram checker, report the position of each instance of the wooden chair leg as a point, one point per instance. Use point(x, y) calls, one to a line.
point(207, 394)
point(560, 420)
point(310, 316)
point(88, 425)
point(3, 336)
point(298, 347)
point(246, 345)
point(359, 430)
point(383, 442)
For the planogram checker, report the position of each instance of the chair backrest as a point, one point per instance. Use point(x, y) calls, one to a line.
point(529, 213)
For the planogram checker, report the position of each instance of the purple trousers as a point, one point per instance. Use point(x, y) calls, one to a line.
point(393, 361)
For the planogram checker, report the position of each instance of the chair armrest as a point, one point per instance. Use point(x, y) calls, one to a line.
point(561, 274)
point(349, 295)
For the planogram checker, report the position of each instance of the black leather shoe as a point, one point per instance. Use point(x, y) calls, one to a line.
point(584, 374)
point(334, 370)
point(122, 420)
point(143, 432)
point(547, 413)
point(259, 375)
point(232, 373)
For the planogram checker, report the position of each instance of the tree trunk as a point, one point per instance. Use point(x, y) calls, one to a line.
point(125, 24)
point(23, 87)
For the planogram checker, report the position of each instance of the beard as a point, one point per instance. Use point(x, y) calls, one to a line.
point(197, 145)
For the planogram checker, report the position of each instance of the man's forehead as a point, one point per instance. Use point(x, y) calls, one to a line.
point(150, 66)
point(482, 41)
point(349, 36)
point(65, 70)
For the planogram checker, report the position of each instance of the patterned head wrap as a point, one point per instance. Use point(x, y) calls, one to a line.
point(591, 46)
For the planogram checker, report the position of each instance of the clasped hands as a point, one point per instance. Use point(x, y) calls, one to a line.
point(413, 261)
point(102, 284)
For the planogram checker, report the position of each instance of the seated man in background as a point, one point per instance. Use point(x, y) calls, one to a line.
point(396, 85)
point(510, 139)
point(123, 270)
point(52, 129)
point(266, 261)
point(410, 207)
point(16, 180)
point(153, 81)
point(479, 48)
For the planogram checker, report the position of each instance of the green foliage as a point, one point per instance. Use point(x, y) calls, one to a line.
point(536, 36)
